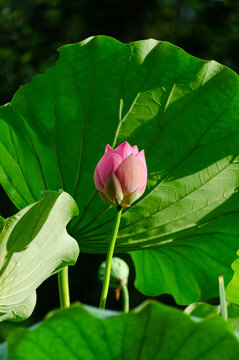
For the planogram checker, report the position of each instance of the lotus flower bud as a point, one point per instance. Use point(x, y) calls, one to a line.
point(119, 272)
point(121, 175)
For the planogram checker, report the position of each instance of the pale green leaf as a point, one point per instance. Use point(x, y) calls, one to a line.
point(34, 244)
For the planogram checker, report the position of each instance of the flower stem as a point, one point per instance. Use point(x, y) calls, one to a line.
point(63, 287)
point(125, 297)
point(223, 301)
point(110, 253)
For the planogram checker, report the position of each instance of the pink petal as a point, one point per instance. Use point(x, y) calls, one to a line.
point(141, 157)
point(131, 174)
point(135, 150)
point(141, 191)
point(98, 184)
point(108, 148)
point(110, 161)
point(124, 150)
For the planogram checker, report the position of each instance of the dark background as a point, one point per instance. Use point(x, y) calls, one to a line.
point(32, 30)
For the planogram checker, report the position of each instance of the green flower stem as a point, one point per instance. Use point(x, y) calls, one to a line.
point(63, 287)
point(223, 301)
point(109, 259)
point(125, 293)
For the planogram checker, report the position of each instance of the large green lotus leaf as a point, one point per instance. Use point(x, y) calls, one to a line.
point(150, 332)
point(33, 245)
point(182, 110)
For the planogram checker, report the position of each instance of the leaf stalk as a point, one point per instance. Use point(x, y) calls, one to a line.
point(125, 294)
point(110, 253)
point(63, 287)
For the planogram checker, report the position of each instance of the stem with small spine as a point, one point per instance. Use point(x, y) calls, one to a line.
point(110, 253)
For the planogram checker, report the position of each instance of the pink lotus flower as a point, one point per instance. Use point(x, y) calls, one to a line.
point(121, 175)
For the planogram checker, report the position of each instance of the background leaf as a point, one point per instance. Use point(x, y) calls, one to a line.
point(33, 245)
point(233, 287)
point(182, 110)
point(203, 311)
point(150, 332)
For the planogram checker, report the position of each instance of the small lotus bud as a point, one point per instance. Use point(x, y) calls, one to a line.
point(121, 175)
point(119, 272)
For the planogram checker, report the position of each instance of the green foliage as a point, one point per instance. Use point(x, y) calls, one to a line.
point(206, 311)
point(182, 110)
point(152, 331)
point(34, 244)
point(232, 290)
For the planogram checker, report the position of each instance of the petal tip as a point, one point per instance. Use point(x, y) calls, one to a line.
point(108, 148)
